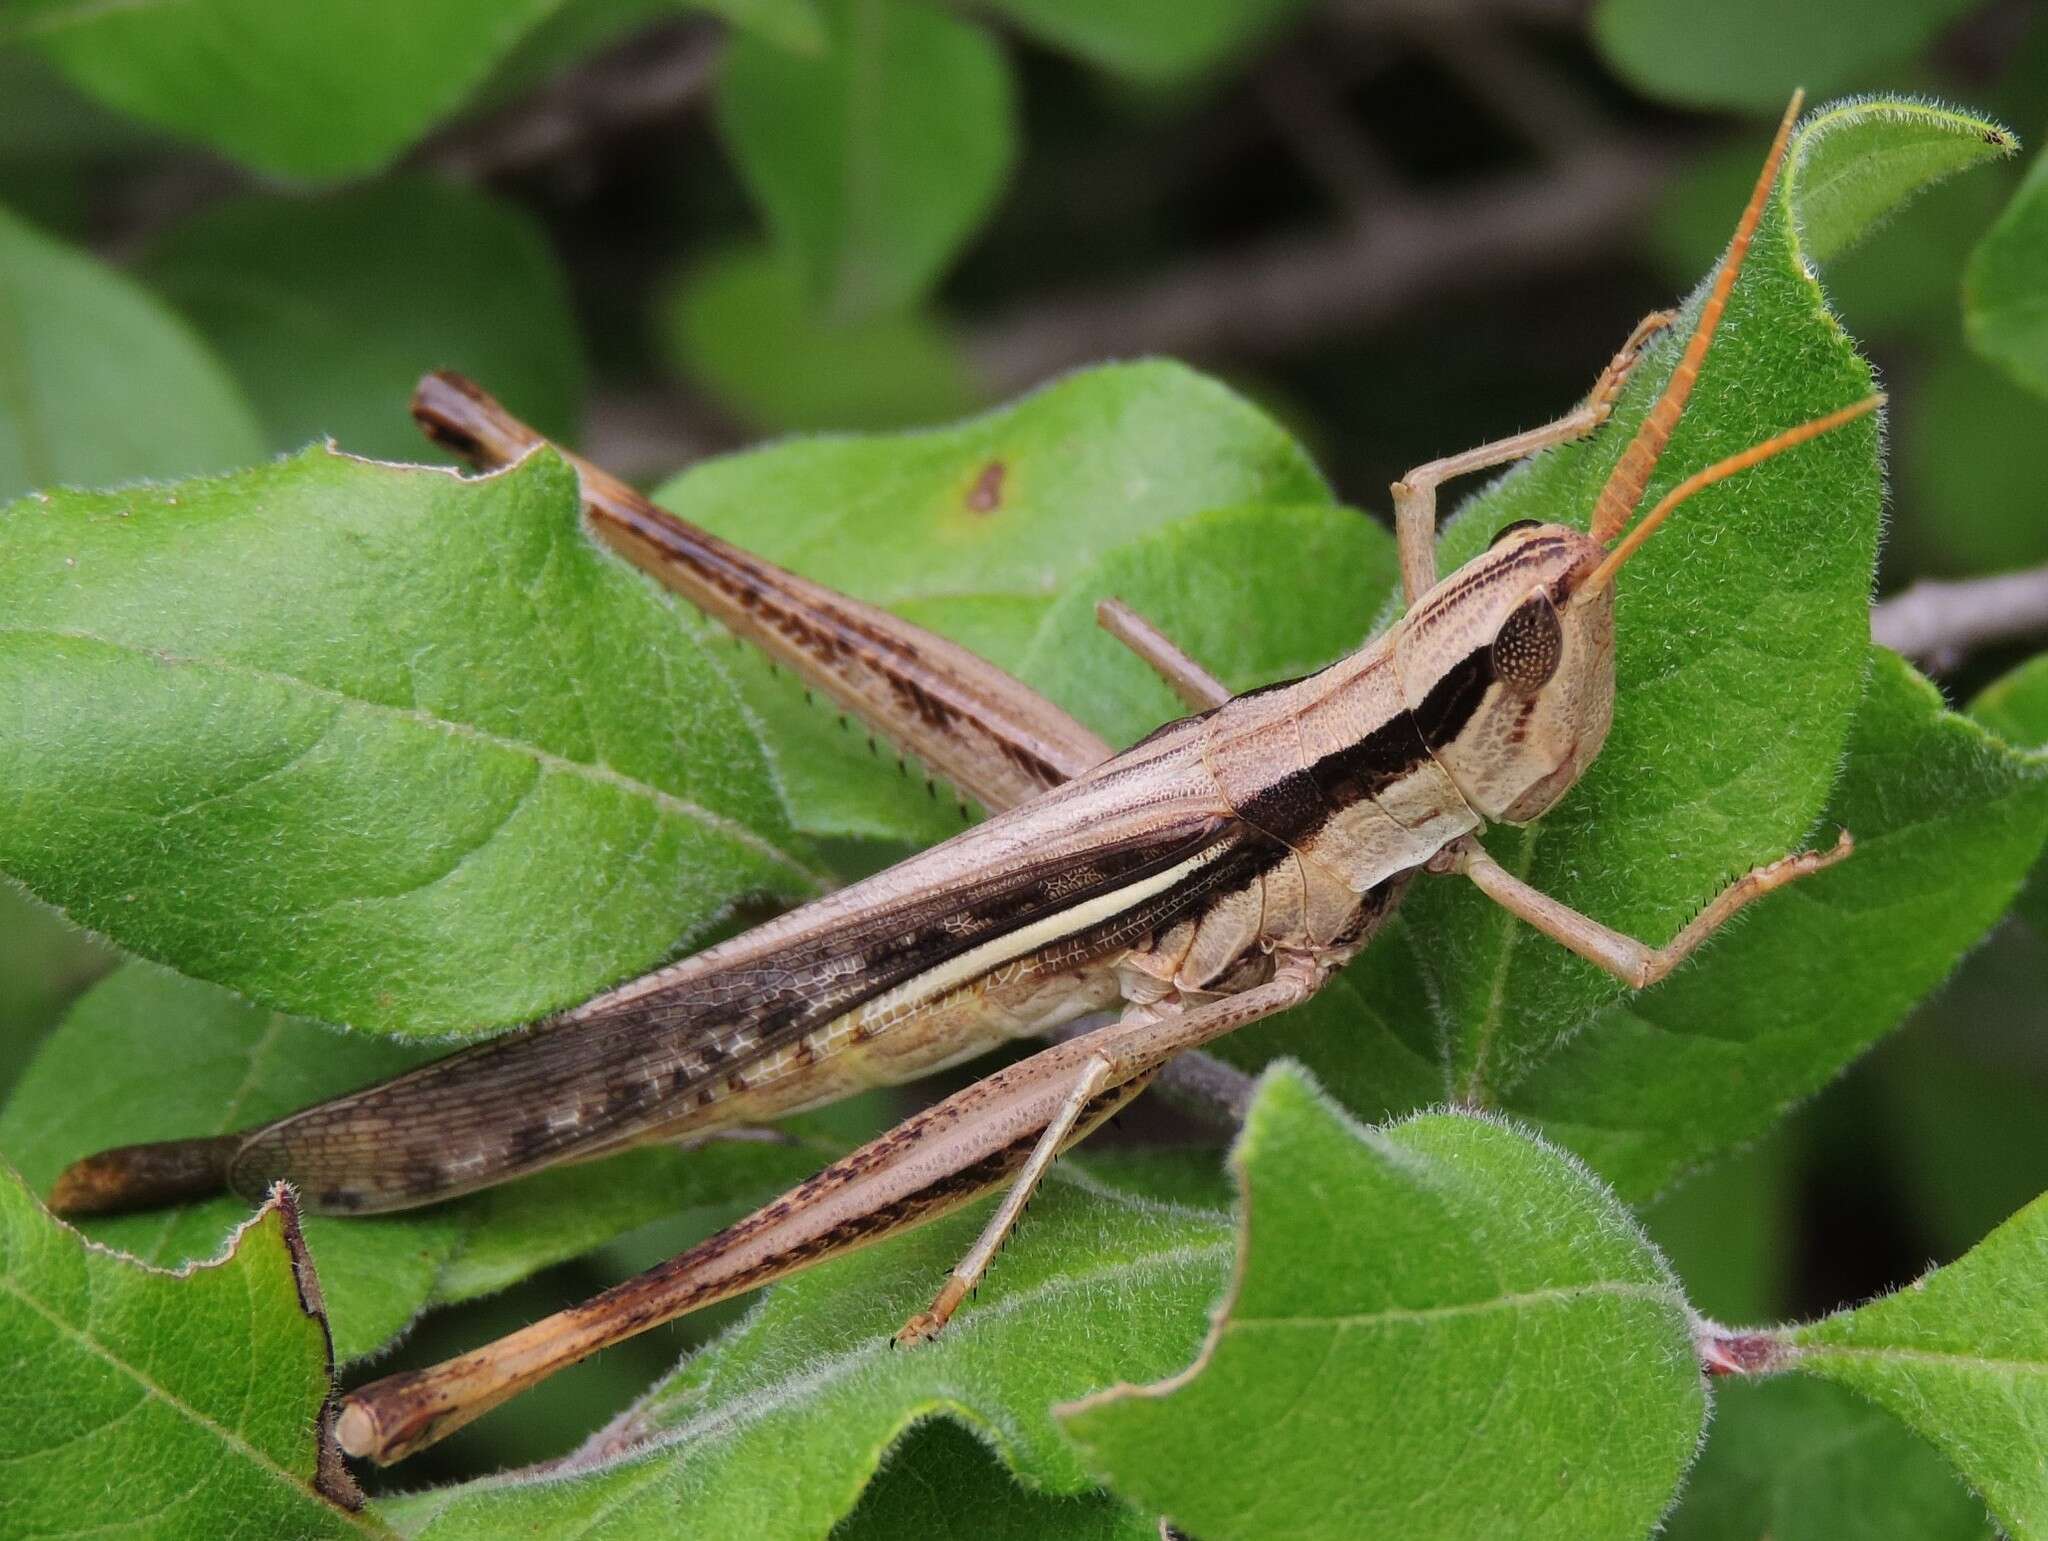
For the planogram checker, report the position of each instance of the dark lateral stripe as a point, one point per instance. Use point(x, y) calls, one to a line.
point(1299, 803)
point(1454, 698)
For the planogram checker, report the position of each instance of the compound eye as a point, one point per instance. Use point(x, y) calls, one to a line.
point(1508, 529)
point(1528, 645)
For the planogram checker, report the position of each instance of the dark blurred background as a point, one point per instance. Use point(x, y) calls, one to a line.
point(1404, 227)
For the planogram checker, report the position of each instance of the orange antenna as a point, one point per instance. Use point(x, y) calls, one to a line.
point(1720, 471)
point(1624, 489)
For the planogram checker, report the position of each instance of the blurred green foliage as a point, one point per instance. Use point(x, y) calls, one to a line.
point(228, 230)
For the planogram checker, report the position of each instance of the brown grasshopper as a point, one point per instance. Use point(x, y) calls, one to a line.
point(1215, 873)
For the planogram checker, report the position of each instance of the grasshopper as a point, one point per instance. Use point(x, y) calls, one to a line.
point(1217, 872)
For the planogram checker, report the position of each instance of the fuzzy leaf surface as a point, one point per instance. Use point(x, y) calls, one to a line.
point(1742, 634)
point(1947, 820)
point(1501, 1352)
point(1960, 1356)
point(305, 732)
point(1095, 1285)
point(169, 1405)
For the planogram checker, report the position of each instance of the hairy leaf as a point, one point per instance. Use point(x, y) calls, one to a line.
point(1719, 623)
point(1947, 822)
point(1860, 161)
point(1749, 612)
point(98, 382)
point(147, 1055)
point(875, 158)
point(1798, 1460)
point(1500, 1352)
point(1094, 1286)
point(328, 310)
point(332, 733)
point(146, 1403)
point(1960, 1355)
point(299, 91)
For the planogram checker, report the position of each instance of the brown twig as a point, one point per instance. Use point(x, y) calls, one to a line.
point(655, 74)
point(1936, 622)
point(1278, 296)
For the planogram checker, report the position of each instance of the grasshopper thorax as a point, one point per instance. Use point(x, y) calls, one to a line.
point(1508, 670)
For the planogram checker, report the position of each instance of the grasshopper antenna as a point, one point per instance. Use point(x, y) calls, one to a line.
point(1625, 487)
point(1720, 471)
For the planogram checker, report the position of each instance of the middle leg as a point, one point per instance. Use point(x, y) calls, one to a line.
point(1636, 964)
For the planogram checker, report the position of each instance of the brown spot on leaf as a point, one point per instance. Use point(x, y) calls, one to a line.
point(986, 495)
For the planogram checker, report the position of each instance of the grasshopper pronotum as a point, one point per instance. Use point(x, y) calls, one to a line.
point(1217, 872)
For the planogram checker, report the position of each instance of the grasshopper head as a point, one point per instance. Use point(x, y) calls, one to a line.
point(1509, 672)
point(1508, 664)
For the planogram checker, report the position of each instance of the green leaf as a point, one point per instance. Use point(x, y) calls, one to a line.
point(1972, 460)
point(1742, 654)
point(331, 732)
point(876, 158)
point(157, 1404)
point(328, 310)
point(739, 328)
point(794, 25)
point(44, 964)
point(975, 530)
point(1859, 162)
point(2005, 292)
point(1947, 821)
point(1752, 53)
point(941, 1481)
point(1894, 281)
point(298, 91)
point(147, 1055)
point(1749, 613)
point(1961, 1356)
point(98, 382)
point(2015, 705)
point(1802, 1461)
point(2016, 708)
point(1149, 40)
point(808, 1387)
point(1500, 1352)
